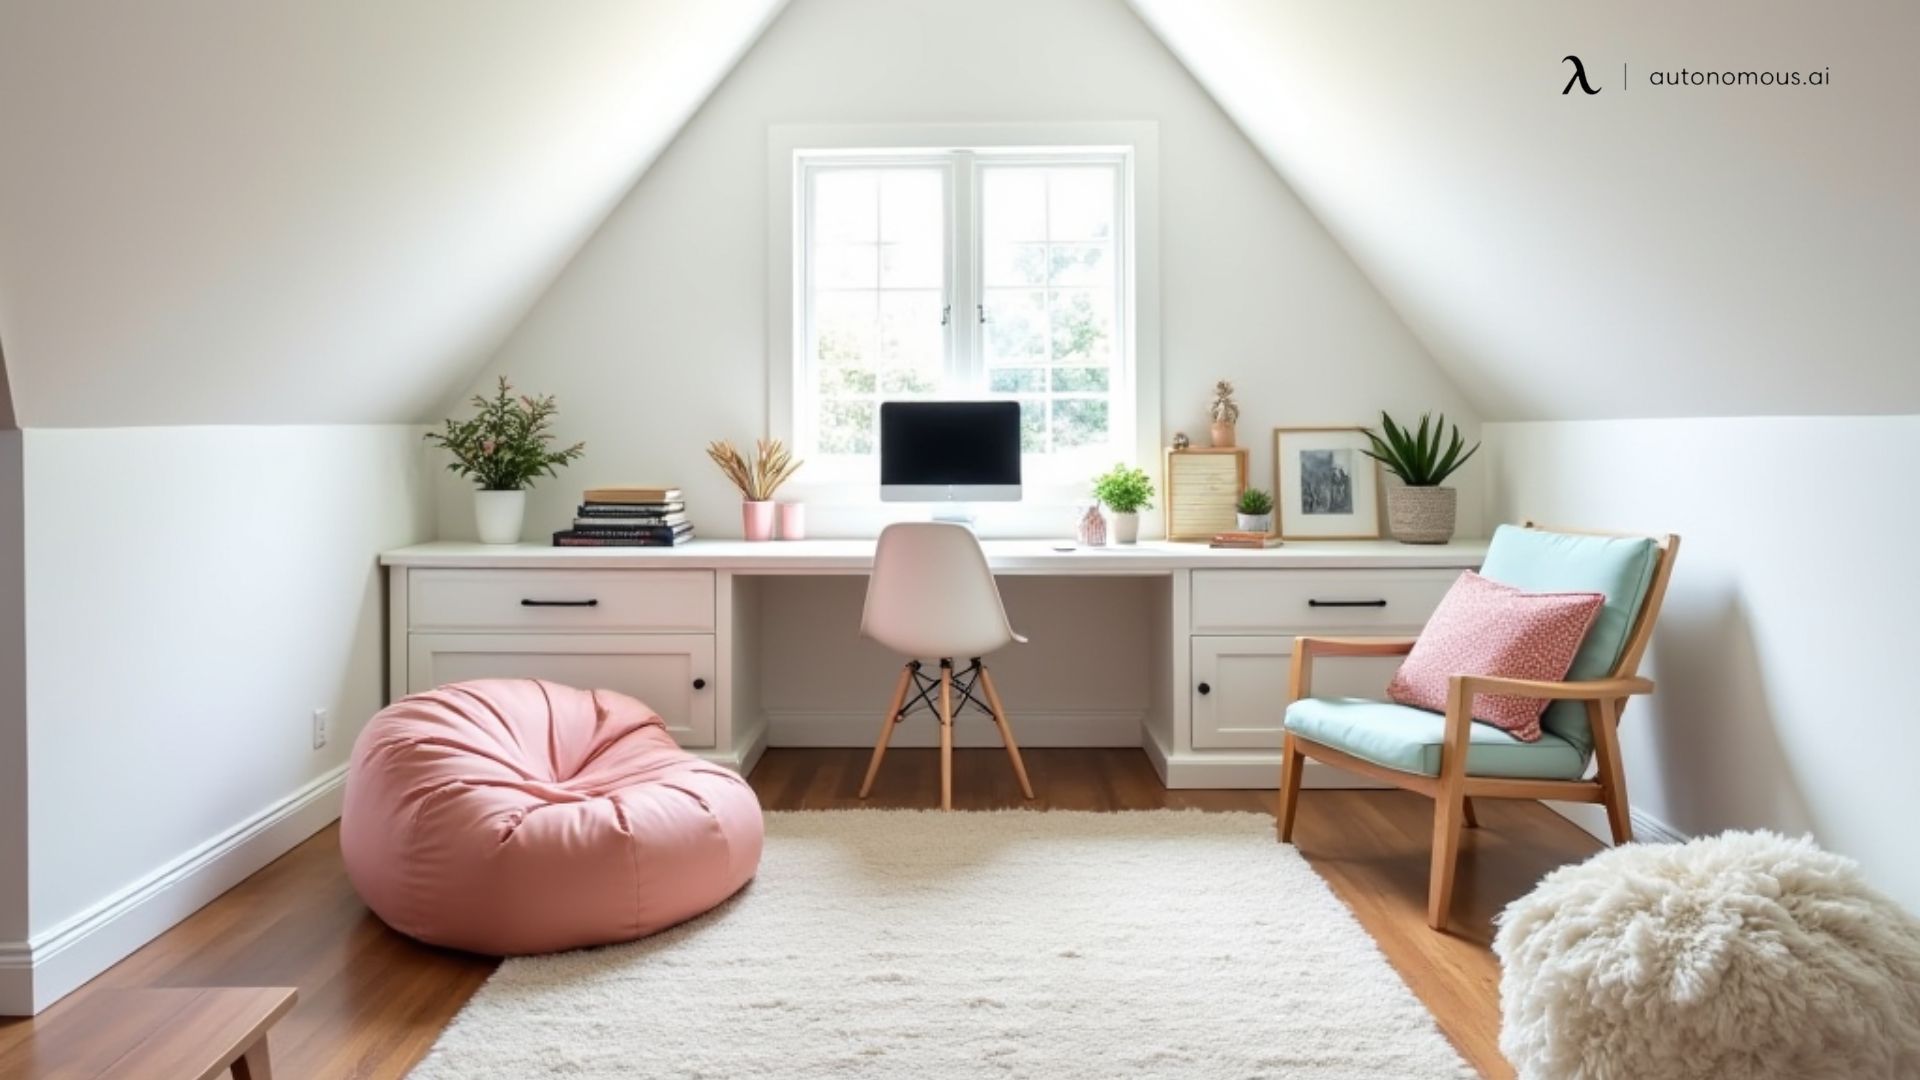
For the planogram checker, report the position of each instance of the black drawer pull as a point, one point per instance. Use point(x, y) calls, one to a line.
point(1346, 603)
point(1205, 689)
point(559, 603)
point(699, 684)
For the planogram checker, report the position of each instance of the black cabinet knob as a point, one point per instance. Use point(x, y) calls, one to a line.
point(699, 684)
point(1205, 689)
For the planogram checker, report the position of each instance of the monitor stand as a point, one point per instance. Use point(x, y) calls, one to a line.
point(954, 513)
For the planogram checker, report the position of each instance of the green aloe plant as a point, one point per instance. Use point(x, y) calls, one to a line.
point(1415, 456)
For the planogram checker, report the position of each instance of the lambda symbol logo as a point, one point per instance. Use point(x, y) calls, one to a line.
point(1579, 76)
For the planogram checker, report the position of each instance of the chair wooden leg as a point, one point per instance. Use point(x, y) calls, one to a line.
point(1603, 719)
point(946, 734)
point(1292, 761)
point(887, 724)
point(1449, 813)
point(1006, 731)
point(1468, 817)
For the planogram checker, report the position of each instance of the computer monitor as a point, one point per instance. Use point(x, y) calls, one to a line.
point(950, 451)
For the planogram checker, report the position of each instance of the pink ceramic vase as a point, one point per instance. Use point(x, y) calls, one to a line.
point(757, 519)
point(793, 521)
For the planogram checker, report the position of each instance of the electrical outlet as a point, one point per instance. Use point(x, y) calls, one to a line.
point(319, 728)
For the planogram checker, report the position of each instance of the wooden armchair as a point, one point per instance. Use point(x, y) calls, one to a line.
point(1451, 759)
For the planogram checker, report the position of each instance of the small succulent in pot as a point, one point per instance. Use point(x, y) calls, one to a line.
point(1420, 510)
point(1254, 511)
point(1124, 492)
point(1225, 413)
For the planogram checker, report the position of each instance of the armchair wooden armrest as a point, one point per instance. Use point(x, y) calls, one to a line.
point(1305, 649)
point(1584, 690)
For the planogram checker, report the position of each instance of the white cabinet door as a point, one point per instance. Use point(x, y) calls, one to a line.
point(1240, 688)
point(672, 673)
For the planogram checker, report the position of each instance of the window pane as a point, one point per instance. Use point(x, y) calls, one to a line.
point(1079, 422)
point(840, 380)
point(912, 266)
point(912, 206)
point(912, 343)
point(1015, 264)
point(1016, 326)
point(1015, 380)
point(845, 206)
point(845, 266)
point(1033, 426)
point(1079, 380)
point(846, 427)
point(1082, 321)
point(1080, 264)
point(1015, 203)
point(1080, 203)
point(844, 326)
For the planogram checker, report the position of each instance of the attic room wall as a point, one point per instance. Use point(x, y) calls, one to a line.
point(655, 338)
point(1784, 654)
point(193, 595)
point(13, 729)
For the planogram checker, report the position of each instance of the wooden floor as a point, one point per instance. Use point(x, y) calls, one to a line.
point(372, 1002)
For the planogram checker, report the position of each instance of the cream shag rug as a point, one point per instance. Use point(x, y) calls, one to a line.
point(1049, 945)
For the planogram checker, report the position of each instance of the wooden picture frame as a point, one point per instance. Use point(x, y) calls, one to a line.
point(1203, 490)
point(1333, 495)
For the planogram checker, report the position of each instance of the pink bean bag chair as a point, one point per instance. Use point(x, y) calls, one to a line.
point(508, 816)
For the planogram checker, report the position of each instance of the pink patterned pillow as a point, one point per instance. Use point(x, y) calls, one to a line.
point(1485, 628)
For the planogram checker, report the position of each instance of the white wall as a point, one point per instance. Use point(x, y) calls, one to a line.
point(13, 702)
point(193, 594)
point(229, 212)
point(655, 337)
point(1736, 250)
point(1784, 650)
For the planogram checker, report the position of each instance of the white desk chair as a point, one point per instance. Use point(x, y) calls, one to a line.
point(932, 596)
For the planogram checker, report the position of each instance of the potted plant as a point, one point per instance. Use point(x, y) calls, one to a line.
point(1124, 492)
point(1254, 511)
point(757, 479)
point(1419, 510)
point(504, 449)
point(1225, 414)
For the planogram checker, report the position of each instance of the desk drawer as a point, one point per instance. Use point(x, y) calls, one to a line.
point(645, 601)
point(1316, 601)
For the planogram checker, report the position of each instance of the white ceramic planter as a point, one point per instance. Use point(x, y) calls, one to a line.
point(499, 515)
point(1259, 523)
point(1122, 528)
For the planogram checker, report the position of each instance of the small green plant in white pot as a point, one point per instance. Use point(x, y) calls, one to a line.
point(1123, 492)
point(504, 449)
point(1419, 509)
point(1254, 511)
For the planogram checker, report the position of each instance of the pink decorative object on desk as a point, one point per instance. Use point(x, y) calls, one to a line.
point(793, 521)
point(756, 519)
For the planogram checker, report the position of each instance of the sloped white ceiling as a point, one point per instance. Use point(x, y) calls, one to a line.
point(1643, 251)
point(222, 211)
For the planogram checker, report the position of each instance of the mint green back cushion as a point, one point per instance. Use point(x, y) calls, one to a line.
point(1619, 568)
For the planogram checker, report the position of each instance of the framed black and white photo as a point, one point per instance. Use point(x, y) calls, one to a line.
point(1325, 487)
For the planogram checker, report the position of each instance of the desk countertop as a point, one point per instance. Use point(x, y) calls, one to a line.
point(1010, 556)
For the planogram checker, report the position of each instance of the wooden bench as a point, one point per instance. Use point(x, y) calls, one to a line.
point(165, 1034)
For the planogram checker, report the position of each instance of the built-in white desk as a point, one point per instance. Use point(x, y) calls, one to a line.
point(682, 629)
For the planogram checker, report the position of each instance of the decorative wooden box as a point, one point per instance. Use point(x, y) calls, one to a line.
point(1203, 490)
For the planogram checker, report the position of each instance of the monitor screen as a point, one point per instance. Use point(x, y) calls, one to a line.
point(949, 450)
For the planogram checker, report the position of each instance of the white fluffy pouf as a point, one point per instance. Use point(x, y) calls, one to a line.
point(1745, 956)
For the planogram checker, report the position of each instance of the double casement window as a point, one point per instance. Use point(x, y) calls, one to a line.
point(973, 273)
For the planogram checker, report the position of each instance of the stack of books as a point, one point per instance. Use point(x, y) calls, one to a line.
point(1253, 540)
point(628, 517)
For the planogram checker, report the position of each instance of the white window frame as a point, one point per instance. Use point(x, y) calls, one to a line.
point(793, 150)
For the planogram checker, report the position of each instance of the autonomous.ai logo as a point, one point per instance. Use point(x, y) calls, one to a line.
point(1579, 77)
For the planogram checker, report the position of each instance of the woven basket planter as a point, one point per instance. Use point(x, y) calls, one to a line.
point(1422, 515)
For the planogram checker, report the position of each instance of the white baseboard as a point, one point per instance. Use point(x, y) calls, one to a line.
point(1647, 829)
point(47, 966)
point(1033, 729)
point(1239, 769)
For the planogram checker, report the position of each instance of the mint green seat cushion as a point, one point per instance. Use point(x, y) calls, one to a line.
point(1621, 569)
point(1408, 739)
